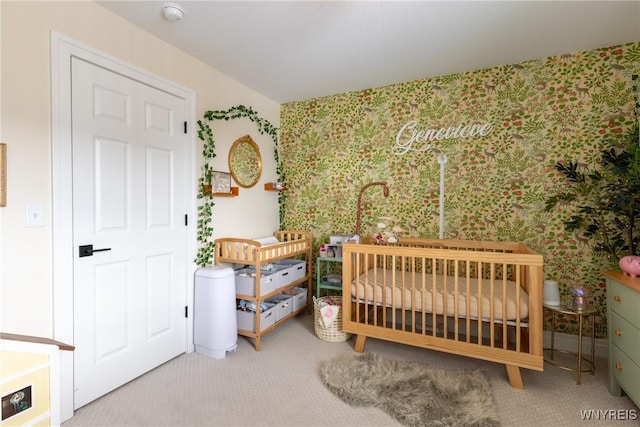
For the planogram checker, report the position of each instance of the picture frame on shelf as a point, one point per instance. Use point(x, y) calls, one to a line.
point(220, 182)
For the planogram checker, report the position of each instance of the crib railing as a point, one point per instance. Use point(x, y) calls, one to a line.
point(480, 299)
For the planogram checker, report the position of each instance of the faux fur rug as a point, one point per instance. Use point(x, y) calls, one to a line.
point(413, 393)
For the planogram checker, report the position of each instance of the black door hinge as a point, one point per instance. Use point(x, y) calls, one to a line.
point(186, 312)
point(185, 127)
point(186, 220)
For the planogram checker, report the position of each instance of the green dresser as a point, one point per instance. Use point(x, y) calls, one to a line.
point(623, 314)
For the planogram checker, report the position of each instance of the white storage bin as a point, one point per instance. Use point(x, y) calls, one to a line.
point(297, 269)
point(285, 276)
point(246, 282)
point(284, 305)
point(299, 297)
point(272, 269)
point(247, 319)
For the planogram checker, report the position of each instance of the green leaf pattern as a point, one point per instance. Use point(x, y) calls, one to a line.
point(542, 111)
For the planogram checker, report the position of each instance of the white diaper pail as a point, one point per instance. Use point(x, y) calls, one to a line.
point(551, 293)
point(215, 327)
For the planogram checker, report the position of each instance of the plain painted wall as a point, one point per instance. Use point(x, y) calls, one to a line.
point(26, 290)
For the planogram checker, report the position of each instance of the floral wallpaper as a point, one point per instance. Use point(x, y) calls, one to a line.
point(536, 113)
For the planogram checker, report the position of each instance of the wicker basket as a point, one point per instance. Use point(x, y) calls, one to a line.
point(334, 332)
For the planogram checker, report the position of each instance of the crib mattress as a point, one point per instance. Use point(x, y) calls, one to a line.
point(474, 298)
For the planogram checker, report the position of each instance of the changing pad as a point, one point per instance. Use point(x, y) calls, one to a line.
point(266, 241)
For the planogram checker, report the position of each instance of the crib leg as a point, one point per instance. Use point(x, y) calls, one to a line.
point(360, 341)
point(514, 376)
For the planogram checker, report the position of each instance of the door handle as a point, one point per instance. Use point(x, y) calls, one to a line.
point(87, 250)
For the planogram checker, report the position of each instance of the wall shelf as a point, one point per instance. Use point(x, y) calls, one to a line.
point(270, 187)
point(207, 191)
point(233, 193)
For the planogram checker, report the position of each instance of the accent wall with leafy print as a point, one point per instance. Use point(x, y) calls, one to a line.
point(537, 113)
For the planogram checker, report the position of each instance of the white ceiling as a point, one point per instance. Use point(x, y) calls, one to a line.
point(295, 50)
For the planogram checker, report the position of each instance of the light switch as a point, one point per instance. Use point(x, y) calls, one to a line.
point(35, 215)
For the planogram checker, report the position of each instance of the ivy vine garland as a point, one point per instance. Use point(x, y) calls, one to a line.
point(206, 252)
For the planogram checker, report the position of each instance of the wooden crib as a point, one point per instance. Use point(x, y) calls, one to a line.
point(492, 309)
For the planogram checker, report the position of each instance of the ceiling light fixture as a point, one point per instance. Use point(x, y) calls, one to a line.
point(172, 12)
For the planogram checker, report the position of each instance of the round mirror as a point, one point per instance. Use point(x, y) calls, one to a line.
point(245, 163)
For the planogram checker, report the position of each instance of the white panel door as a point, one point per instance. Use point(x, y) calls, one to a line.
point(129, 204)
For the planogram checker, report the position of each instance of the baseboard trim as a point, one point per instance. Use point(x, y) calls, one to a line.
point(569, 342)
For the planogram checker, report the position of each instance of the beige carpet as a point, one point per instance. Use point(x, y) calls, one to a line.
point(279, 386)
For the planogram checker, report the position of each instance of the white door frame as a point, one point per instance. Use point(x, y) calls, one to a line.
point(62, 49)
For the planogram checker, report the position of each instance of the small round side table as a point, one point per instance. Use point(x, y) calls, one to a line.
point(589, 314)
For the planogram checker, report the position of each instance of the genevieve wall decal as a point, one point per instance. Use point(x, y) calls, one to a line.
point(418, 136)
